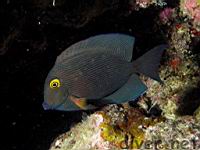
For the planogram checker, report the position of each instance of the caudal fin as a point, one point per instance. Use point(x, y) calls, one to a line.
point(148, 63)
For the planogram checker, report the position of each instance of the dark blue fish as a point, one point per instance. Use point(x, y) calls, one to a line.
point(99, 70)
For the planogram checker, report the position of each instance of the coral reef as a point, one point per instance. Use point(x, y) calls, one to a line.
point(166, 14)
point(82, 136)
point(143, 126)
point(137, 4)
point(197, 114)
point(182, 133)
point(191, 9)
point(34, 32)
point(127, 132)
point(138, 127)
point(104, 130)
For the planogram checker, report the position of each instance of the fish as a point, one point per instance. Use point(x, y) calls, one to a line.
point(98, 71)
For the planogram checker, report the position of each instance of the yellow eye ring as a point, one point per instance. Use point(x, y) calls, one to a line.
point(54, 84)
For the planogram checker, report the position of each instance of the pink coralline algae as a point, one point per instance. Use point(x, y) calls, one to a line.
point(192, 9)
point(166, 14)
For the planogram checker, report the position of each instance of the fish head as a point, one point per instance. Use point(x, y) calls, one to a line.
point(56, 94)
point(55, 91)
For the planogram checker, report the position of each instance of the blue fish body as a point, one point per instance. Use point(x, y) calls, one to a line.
point(99, 69)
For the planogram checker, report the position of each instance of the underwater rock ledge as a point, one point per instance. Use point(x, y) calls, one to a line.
point(144, 127)
point(167, 116)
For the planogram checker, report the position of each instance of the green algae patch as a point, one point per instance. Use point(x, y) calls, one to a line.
point(112, 134)
point(129, 133)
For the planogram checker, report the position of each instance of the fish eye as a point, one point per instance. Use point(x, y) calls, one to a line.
point(54, 84)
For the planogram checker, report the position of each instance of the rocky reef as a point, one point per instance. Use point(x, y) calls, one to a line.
point(34, 32)
point(167, 116)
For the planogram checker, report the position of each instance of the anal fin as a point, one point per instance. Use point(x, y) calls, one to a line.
point(130, 91)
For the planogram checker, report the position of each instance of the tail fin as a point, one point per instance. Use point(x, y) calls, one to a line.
point(148, 63)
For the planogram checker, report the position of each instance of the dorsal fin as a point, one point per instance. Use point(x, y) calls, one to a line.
point(116, 44)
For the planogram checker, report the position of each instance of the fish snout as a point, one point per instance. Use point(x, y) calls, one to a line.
point(46, 106)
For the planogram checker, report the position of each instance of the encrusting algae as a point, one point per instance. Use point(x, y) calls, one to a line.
point(128, 133)
point(100, 132)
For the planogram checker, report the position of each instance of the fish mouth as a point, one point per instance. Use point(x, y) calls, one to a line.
point(51, 102)
point(46, 106)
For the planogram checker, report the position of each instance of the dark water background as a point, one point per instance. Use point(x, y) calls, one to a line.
point(32, 34)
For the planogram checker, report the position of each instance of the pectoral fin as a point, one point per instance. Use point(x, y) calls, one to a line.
point(81, 103)
point(130, 91)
